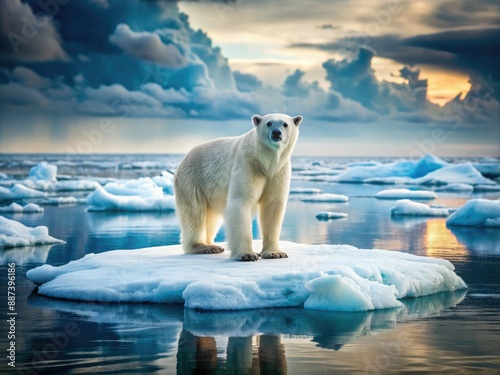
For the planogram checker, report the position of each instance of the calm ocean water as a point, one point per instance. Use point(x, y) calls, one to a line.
point(447, 333)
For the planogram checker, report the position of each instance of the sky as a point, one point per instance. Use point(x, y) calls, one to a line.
point(370, 78)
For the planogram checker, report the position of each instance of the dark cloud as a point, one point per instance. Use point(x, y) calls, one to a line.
point(28, 36)
point(327, 26)
point(294, 85)
point(247, 82)
point(148, 46)
point(355, 79)
point(463, 13)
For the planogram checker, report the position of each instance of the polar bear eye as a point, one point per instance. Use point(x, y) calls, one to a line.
point(269, 124)
point(285, 125)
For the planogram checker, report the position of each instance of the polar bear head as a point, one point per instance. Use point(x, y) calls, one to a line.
point(277, 130)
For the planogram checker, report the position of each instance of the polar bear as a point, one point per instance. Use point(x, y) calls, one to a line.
point(231, 178)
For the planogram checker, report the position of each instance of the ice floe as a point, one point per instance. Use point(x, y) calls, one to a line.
point(125, 198)
point(477, 213)
point(19, 191)
point(326, 197)
point(405, 194)
point(301, 190)
point(16, 234)
point(325, 277)
point(406, 207)
point(457, 187)
point(17, 208)
point(327, 215)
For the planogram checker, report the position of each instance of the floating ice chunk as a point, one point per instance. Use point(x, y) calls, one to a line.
point(301, 190)
point(488, 169)
point(407, 207)
point(459, 173)
point(326, 197)
point(216, 282)
point(71, 185)
point(43, 171)
point(17, 208)
point(326, 215)
point(3, 176)
point(405, 194)
point(102, 200)
point(19, 191)
point(477, 213)
point(15, 234)
point(64, 201)
point(486, 188)
point(457, 187)
point(165, 181)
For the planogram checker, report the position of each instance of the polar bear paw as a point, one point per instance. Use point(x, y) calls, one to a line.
point(249, 257)
point(273, 255)
point(207, 249)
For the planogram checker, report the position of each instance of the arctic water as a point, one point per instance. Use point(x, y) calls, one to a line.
point(444, 333)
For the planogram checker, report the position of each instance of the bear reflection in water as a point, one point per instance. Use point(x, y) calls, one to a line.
point(198, 355)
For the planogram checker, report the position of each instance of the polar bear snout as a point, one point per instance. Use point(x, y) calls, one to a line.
point(276, 135)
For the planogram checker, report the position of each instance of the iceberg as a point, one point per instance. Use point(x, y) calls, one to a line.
point(326, 198)
point(477, 213)
point(406, 207)
point(459, 173)
point(16, 234)
point(43, 171)
point(314, 276)
point(405, 194)
point(19, 191)
point(327, 215)
point(17, 208)
point(429, 170)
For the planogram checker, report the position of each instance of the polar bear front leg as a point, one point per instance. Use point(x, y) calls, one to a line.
point(272, 208)
point(238, 218)
point(271, 218)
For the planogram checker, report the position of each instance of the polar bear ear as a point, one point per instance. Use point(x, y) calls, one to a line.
point(256, 119)
point(297, 120)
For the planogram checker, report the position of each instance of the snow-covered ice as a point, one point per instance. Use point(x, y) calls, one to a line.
point(322, 277)
point(59, 201)
point(19, 191)
point(406, 207)
point(477, 213)
point(327, 215)
point(302, 190)
point(16, 234)
point(405, 194)
point(17, 208)
point(326, 197)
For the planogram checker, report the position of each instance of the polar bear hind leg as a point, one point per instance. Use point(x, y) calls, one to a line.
point(199, 227)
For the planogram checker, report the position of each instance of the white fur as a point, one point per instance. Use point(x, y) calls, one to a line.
point(232, 178)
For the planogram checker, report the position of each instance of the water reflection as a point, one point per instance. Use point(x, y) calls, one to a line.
point(480, 241)
point(25, 255)
point(235, 342)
